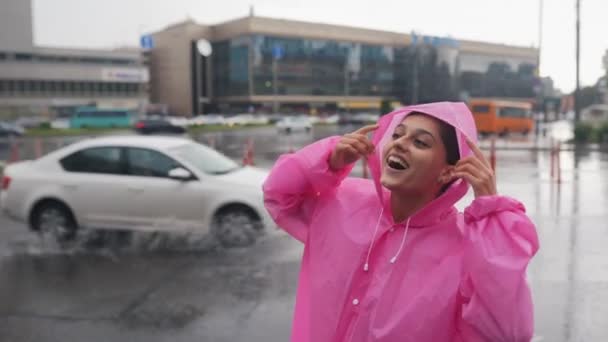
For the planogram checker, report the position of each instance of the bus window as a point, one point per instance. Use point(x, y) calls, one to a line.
point(513, 112)
point(481, 109)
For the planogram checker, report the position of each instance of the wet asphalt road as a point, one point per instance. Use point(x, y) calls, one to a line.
point(194, 293)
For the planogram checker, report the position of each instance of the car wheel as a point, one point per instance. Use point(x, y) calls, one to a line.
point(236, 226)
point(55, 219)
point(288, 130)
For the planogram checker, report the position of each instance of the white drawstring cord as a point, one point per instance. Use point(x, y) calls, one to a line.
point(407, 227)
point(369, 251)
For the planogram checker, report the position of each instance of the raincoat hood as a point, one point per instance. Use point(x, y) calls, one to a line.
point(457, 115)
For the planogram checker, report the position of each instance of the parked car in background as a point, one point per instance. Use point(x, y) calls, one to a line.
point(136, 183)
point(208, 119)
point(178, 121)
point(92, 117)
point(152, 126)
point(31, 121)
point(274, 118)
point(60, 123)
point(331, 119)
point(246, 119)
point(291, 124)
point(358, 118)
point(10, 130)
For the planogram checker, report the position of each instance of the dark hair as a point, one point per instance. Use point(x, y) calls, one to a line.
point(450, 143)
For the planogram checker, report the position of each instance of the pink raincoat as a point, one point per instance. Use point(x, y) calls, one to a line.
point(440, 275)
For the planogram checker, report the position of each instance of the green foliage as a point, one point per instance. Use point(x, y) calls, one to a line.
point(583, 133)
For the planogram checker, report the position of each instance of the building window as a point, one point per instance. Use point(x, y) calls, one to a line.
point(20, 87)
point(32, 87)
point(24, 57)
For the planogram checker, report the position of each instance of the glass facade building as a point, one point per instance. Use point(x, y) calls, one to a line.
point(250, 65)
point(278, 64)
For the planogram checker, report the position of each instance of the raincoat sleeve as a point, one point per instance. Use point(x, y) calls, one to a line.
point(500, 241)
point(295, 183)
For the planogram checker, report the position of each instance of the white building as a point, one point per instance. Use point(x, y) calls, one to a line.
point(43, 80)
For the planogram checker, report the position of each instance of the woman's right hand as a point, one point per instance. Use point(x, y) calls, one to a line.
point(351, 147)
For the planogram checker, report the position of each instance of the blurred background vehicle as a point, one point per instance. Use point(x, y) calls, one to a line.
point(208, 119)
point(246, 119)
point(92, 117)
point(152, 126)
point(294, 124)
point(10, 130)
point(136, 184)
point(502, 117)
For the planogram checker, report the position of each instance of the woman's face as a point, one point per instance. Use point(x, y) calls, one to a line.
point(414, 161)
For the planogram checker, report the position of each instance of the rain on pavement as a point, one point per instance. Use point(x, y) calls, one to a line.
point(177, 288)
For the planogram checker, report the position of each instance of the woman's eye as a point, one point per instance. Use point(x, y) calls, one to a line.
point(420, 143)
point(395, 136)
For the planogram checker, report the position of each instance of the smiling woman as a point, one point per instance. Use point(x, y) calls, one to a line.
point(431, 139)
point(382, 253)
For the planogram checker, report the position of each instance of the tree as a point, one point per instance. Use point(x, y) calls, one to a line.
point(588, 96)
point(385, 106)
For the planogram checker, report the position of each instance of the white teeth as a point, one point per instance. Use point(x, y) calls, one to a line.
point(398, 160)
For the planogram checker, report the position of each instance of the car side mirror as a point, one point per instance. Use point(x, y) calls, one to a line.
point(180, 174)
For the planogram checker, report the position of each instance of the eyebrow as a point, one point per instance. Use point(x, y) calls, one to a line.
point(417, 130)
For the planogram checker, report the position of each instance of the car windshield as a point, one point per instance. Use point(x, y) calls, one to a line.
point(205, 159)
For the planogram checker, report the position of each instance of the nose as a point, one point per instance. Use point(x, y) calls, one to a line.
point(402, 144)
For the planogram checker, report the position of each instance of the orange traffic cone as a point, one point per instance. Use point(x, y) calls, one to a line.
point(248, 153)
point(38, 148)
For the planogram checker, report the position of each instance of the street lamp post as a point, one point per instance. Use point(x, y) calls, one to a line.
point(203, 49)
point(414, 98)
point(577, 107)
point(275, 88)
point(277, 53)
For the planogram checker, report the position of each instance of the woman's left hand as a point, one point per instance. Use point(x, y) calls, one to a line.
point(477, 171)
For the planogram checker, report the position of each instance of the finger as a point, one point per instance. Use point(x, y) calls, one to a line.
point(351, 150)
point(367, 129)
point(359, 146)
point(471, 169)
point(482, 176)
point(364, 140)
point(476, 163)
point(477, 152)
point(468, 177)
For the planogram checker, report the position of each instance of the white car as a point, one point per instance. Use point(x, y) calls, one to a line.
point(209, 119)
point(178, 121)
point(137, 183)
point(247, 119)
point(294, 124)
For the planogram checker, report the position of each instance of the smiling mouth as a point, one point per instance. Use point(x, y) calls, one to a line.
point(397, 163)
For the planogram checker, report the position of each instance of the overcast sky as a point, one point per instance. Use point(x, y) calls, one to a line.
point(111, 23)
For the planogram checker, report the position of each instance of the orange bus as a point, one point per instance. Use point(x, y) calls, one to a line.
point(502, 117)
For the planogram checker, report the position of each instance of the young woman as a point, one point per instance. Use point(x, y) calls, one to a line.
point(391, 259)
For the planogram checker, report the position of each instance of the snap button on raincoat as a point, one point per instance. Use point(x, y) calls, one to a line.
point(441, 275)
